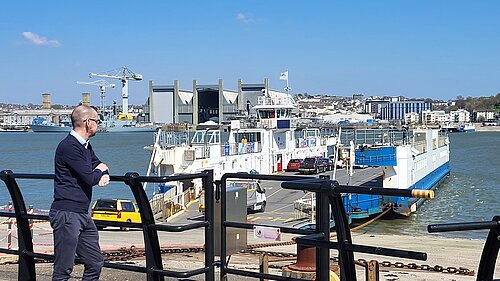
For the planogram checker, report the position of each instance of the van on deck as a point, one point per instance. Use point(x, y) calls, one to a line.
point(256, 195)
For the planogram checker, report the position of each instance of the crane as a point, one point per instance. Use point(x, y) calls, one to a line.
point(102, 87)
point(123, 74)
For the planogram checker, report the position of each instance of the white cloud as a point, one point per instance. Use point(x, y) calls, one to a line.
point(39, 40)
point(244, 18)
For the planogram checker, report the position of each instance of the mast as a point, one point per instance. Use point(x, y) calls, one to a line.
point(284, 76)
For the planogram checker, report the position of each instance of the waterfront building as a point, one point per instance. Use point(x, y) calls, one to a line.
point(480, 116)
point(348, 117)
point(460, 116)
point(396, 110)
point(374, 106)
point(412, 118)
point(24, 117)
point(435, 117)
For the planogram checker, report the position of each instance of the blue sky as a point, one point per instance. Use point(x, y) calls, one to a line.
point(438, 49)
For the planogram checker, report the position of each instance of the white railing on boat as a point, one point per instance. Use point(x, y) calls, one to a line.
point(170, 139)
point(281, 100)
point(228, 149)
point(240, 148)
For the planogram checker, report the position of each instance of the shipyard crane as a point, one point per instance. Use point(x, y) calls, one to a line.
point(123, 74)
point(102, 87)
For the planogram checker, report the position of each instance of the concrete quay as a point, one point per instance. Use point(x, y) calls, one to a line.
point(444, 252)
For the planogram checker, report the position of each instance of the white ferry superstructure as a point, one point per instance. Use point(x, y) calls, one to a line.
point(264, 146)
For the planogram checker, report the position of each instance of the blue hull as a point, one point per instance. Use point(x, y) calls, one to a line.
point(363, 206)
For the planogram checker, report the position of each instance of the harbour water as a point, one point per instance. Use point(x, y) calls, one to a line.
point(470, 193)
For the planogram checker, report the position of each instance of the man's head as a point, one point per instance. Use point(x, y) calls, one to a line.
point(85, 121)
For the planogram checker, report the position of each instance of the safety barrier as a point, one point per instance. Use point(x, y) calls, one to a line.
point(491, 246)
point(154, 264)
point(328, 193)
point(328, 203)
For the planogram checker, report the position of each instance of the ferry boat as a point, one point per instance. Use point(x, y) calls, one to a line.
point(416, 159)
point(263, 145)
point(459, 128)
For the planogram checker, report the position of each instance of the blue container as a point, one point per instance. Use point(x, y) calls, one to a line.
point(376, 156)
point(164, 188)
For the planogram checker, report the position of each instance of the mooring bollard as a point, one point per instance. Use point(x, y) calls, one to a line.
point(9, 228)
point(263, 265)
point(30, 212)
point(372, 271)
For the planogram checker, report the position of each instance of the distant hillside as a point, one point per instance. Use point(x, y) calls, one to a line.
point(478, 104)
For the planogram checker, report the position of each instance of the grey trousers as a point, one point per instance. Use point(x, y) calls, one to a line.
point(75, 234)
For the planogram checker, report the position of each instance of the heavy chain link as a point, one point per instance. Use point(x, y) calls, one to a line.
point(124, 254)
point(435, 268)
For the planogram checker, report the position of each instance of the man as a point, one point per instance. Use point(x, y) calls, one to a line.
point(77, 170)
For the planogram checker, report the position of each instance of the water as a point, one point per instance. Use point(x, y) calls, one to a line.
point(34, 153)
point(470, 193)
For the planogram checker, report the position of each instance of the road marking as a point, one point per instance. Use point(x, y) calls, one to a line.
point(254, 218)
point(274, 192)
point(281, 208)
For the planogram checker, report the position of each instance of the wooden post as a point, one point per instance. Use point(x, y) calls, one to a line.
point(263, 265)
point(372, 271)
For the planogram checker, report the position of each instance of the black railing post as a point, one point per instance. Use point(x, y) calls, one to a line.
point(208, 185)
point(151, 242)
point(490, 253)
point(323, 226)
point(223, 240)
point(26, 266)
point(346, 257)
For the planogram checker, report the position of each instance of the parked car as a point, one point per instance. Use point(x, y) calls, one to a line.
point(119, 210)
point(294, 165)
point(312, 165)
point(328, 163)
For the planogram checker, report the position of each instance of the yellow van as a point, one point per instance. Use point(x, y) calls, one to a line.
point(120, 210)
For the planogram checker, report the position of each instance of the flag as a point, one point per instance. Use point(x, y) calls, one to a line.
point(284, 75)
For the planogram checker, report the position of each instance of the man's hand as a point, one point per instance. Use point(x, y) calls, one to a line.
point(103, 167)
point(104, 180)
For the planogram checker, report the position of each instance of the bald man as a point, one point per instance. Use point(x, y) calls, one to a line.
point(77, 170)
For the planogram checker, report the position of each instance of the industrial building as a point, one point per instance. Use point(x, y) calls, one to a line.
point(169, 104)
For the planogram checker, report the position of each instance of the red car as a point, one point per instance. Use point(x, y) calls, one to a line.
point(293, 165)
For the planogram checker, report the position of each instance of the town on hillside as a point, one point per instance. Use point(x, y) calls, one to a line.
point(317, 109)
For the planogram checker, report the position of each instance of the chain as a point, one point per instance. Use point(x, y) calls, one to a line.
point(425, 267)
point(124, 254)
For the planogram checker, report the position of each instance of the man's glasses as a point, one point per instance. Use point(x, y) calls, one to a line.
point(97, 121)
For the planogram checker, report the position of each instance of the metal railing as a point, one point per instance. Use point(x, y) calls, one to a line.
point(154, 264)
point(328, 203)
point(491, 246)
point(328, 195)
